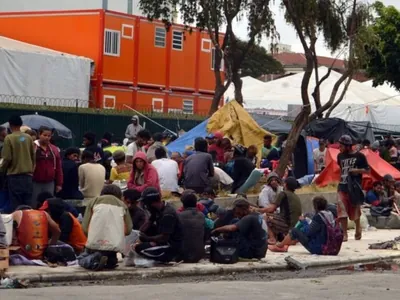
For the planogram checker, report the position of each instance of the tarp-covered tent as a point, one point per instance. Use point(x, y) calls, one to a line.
point(272, 124)
point(232, 120)
point(247, 81)
point(39, 76)
point(335, 128)
point(378, 166)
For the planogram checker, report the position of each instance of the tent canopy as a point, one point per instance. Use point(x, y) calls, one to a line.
point(272, 124)
point(378, 167)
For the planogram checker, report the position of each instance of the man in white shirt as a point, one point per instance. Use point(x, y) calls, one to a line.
point(142, 138)
point(319, 157)
point(133, 129)
point(167, 170)
point(270, 190)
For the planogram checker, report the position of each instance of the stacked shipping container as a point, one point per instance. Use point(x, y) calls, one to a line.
point(138, 63)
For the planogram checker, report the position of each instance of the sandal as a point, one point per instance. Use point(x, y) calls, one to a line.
point(345, 238)
point(271, 242)
point(358, 236)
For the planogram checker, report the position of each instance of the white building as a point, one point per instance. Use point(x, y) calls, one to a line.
point(281, 48)
point(124, 6)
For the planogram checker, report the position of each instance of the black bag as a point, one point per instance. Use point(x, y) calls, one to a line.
point(356, 193)
point(379, 211)
point(224, 251)
point(61, 253)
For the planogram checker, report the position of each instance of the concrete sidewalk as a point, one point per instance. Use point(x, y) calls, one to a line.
point(352, 252)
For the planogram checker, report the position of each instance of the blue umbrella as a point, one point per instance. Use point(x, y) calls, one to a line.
point(37, 121)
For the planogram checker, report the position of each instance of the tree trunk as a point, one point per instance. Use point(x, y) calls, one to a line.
point(218, 94)
point(238, 83)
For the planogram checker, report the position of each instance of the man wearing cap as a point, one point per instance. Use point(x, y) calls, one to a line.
point(250, 229)
point(216, 146)
point(352, 166)
point(319, 157)
point(133, 129)
point(161, 237)
point(270, 190)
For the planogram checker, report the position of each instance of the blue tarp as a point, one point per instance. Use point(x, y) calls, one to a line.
point(188, 138)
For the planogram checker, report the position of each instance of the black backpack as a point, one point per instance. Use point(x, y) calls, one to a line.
point(224, 251)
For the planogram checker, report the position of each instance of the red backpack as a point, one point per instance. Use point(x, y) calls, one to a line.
point(334, 238)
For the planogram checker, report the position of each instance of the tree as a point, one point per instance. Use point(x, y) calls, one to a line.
point(383, 61)
point(258, 62)
point(344, 25)
point(212, 16)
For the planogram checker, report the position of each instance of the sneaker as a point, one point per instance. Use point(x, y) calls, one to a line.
point(102, 263)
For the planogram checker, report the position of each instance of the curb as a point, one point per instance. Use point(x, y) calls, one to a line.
point(169, 272)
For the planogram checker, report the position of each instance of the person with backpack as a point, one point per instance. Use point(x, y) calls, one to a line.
point(323, 236)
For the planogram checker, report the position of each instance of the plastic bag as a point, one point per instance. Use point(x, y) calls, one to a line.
point(141, 262)
point(8, 224)
point(129, 252)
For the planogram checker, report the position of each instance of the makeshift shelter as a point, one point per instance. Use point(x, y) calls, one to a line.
point(378, 169)
point(272, 124)
point(233, 120)
point(334, 128)
point(39, 76)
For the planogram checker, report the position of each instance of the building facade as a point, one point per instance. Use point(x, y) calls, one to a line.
point(137, 63)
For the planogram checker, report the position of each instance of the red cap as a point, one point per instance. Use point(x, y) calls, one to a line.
point(218, 135)
point(44, 206)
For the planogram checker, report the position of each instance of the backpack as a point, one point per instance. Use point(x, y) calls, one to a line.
point(334, 238)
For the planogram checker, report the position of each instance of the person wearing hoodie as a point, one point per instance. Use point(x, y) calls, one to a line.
point(48, 174)
point(133, 129)
point(71, 230)
point(270, 190)
point(143, 174)
point(312, 236)
point(70, 188)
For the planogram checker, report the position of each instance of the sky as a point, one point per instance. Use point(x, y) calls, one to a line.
point(288, 34)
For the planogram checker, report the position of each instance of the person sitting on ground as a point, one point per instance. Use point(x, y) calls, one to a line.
point(397, 193)
point(312, 236)
point(167, 170)
point(176, 156)
point(252, 235)
point(71, 230)
point(374, 197)
point(242, 168)
point(91, 176)
point(161, 237)
point(122, 170)
point(142, 137)
point(32, 231)
point(268, 151)
point(251, 154)
point(143, 174)
point(42, 197)
point(199, 168)
point(319, 155)
point(106, 223)
point(151, 155)
point(193, 226)
point(3, 233)
point(228, 150)
point(289, 206)
point(388, 186)
point(70, 188)
point(270, 190)
point(89, 141)
point(138, 215)
point(215, 145)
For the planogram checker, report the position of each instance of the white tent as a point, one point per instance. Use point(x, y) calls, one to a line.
point(35, 75)
point(361, 102)
point(248, 82)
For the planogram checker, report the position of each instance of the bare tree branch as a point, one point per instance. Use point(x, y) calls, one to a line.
point(341, 97)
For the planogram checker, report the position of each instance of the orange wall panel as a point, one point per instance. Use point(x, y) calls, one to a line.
point(175, 101)
point(115, 98)
point(183, 62)
point(120, 68)
point(145, 100)
point(152, 59)
point(73, 33)
point(203, 105)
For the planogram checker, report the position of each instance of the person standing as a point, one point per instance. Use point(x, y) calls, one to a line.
point(319, 157)
point(91, 176)
point(48, 175)
point(3, 134)
point(352, 166)
point(70, 188)
point(133, 129)
point(18, 156)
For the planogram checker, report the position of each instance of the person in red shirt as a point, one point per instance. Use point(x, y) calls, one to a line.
point(216, 146)
point(143, 174)
point(48, 174)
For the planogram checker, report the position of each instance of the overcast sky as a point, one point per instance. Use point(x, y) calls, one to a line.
point(288, 34)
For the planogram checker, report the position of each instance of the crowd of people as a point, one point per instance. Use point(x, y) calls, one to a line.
point(40, 178)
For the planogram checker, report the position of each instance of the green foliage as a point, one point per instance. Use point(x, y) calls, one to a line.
point(383, 61)
point(258, 62)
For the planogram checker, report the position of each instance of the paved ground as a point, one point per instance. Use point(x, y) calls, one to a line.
point(362, 286)
point(352, 252)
